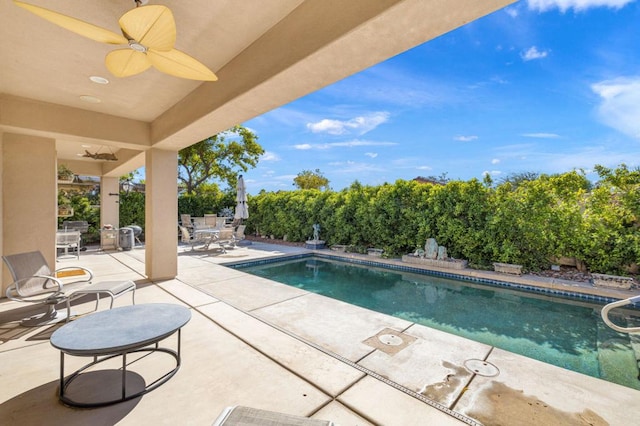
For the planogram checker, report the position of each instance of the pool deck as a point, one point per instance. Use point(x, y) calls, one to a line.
point(258, 343)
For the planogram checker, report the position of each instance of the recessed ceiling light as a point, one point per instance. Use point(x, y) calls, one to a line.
point(98, 79)
point(90, 99)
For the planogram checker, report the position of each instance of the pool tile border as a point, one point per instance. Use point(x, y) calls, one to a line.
point(564, 294)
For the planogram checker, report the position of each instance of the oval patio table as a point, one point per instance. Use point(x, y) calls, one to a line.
point(118, 332)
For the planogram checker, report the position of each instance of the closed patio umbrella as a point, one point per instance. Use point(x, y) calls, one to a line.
point(242, 206)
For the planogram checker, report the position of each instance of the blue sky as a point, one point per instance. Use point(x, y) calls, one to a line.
point(541, 86)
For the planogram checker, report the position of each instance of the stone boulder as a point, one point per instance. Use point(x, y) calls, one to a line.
point(431, 249)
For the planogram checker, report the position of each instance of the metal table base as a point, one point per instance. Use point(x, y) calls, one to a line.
point(64, 383)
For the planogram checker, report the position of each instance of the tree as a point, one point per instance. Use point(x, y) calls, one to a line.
point(518, 178)
point(308, 179)
point(219, 157)
point(439, 180)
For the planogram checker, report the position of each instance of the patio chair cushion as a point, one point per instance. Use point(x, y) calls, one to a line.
point(113, 289)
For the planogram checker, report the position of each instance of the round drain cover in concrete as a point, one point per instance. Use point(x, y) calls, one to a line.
point(390, 339)
point(481, 368)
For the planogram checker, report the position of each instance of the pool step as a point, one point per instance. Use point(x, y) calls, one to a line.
point(616, 357)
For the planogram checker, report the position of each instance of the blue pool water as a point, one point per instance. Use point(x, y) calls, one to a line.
point(566, 333)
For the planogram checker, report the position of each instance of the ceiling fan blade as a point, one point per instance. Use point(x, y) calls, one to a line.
point(126, 62)
point(75, 25)
point(151, 26)
point(179, 64)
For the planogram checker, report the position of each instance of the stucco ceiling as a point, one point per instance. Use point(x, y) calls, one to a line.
point(52, 64)
point(265, 53)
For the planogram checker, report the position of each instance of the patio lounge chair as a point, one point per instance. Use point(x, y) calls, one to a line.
point(34, 282)
point(252, 416)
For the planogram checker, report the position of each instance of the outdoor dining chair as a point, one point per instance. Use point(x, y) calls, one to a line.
point(68, 240)
point(185, 220)
point(238, 234)
point(190, 238)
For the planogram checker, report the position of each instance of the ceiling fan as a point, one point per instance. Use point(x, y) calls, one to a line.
point(149, 32)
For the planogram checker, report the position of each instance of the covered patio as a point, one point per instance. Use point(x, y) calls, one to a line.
point(55, 106)
point(272, 347)
point(257, 343)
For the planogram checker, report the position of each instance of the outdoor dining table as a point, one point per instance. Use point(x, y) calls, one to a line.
point(119, 332)
point(206, 236)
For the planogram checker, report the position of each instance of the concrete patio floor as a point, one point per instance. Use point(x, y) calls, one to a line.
point(262, 344)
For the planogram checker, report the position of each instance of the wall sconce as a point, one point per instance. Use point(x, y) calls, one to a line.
point(127, 186)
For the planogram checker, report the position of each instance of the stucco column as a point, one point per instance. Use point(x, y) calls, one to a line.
point(161, 212)
point(109, 197)
point(29, 197)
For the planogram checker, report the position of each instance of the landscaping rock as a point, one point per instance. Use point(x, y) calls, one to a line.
point(431, 249)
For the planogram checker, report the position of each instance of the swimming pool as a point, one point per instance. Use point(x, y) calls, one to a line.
point(563, 332)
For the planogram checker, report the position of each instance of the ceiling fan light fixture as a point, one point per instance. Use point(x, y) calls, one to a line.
point(99, 80)
point(90, 99)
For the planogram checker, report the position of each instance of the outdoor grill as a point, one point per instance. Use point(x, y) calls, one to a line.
point(128, 235)
point(76, 225)
point(81, 226)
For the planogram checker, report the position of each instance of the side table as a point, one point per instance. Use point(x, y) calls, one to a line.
point(108, 239)
point(119, 332)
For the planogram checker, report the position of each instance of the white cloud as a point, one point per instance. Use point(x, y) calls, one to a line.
point(392, 84)
point(577, 5)
point(424, 168)
point(346, 144)
point(533, 53)
point(541, 135)
point(333, 127)
point(465, 138)
point(512, 11)
point(269, 156)
point(491, 172)
point(269, 178)
point(371, 154)
point(303, 146)
point(495, 161)
point(359, 125)
point(620, 104)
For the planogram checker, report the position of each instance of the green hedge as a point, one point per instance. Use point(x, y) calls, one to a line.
point(209, 203)
point(527, 224)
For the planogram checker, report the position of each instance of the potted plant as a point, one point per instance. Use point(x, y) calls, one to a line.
point(65, 174)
